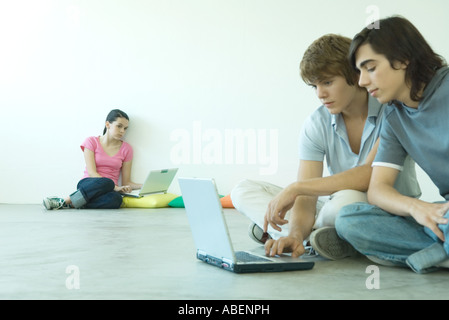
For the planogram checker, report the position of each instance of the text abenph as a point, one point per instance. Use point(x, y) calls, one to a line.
point(242, 309)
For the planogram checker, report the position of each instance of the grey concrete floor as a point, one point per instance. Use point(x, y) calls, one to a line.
point(149, 254)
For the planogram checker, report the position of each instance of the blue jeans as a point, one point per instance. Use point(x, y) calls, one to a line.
point(96, 193)
point(398, 240)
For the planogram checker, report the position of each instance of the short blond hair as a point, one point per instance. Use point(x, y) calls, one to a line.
point(328, 56)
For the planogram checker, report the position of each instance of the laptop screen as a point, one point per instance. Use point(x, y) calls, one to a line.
point(206, 219)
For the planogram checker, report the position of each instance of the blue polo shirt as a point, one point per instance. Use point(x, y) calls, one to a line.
point(324, 137)
point(422, 133)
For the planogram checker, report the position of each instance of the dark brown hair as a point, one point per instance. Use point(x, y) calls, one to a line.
point(113, 115)
point(399, 40)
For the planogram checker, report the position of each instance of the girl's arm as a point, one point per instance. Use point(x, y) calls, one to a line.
point(126, 176)
point(89, 158)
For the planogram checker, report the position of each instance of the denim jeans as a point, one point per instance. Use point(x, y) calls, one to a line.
point(96, 193)
point(398, 240)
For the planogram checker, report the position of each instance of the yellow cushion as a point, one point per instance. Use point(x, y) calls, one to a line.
point(151, 201)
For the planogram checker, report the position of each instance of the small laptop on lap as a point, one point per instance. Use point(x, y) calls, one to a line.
point(211, 236)
point(157, 181)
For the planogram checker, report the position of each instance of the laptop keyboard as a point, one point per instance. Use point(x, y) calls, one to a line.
point(243, 256)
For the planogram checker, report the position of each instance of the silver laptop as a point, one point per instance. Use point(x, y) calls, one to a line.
point(157, 181)
point(211, 236)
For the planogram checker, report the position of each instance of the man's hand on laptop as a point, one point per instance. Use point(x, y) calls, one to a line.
point(287, 244)
point(278, 207)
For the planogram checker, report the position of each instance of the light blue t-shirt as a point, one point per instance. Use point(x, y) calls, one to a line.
point(422, 133)
point(324, 136)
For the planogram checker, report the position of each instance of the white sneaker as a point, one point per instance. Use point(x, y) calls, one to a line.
point(326, 242)
point(54, 203)
point(383, 262)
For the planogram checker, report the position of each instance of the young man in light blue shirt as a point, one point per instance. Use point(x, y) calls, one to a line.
point(397, 65)
point(344, 131)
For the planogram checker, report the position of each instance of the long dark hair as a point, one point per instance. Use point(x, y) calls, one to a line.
point(113, 115)
point(399, 40)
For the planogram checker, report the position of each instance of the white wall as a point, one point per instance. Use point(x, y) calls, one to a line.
point(185, 71)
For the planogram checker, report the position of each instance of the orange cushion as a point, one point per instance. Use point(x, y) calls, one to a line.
point(226, 202)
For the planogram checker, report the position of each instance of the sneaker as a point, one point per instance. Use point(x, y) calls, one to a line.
point(382, 262)
point(54, 203)
point(256, 233)
point(326, 242)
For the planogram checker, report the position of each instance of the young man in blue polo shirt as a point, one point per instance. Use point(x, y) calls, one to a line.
point(344, 131)
point(397, 65)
